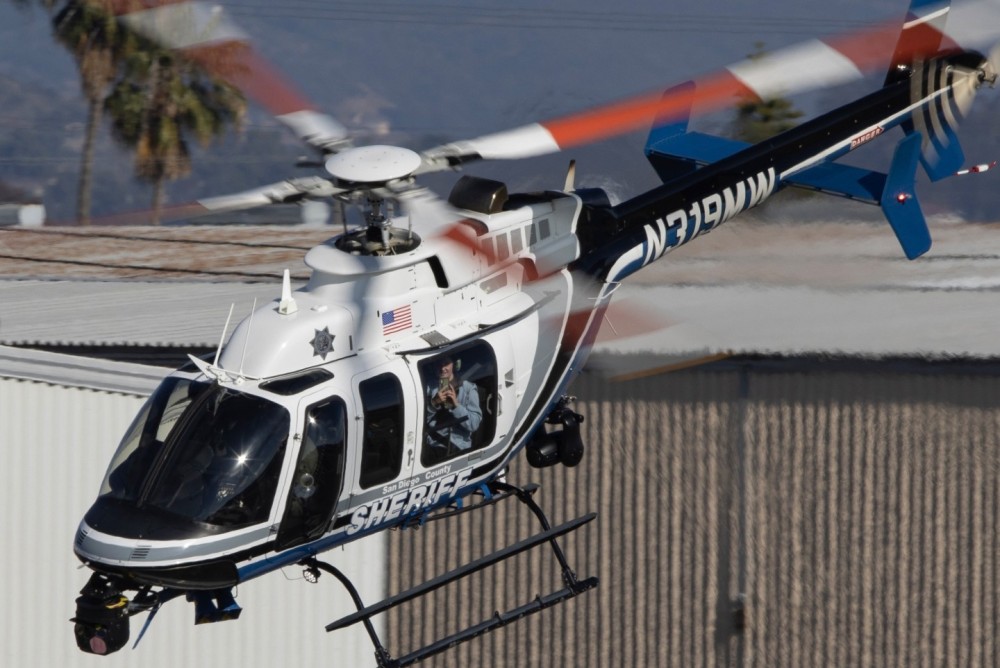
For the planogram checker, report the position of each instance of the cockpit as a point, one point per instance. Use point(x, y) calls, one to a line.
point(199, 453)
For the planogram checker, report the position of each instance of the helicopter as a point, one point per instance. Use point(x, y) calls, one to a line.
point(439, 339)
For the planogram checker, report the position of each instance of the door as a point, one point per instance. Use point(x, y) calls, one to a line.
point(319, 471)
point(385, 399)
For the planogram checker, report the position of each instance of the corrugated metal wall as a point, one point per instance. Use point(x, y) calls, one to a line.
point(55, 443)
point(855, 509)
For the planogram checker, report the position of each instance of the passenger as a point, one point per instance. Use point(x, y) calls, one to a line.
point(453, 412)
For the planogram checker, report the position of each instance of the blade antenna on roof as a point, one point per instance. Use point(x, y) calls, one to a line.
point(222, 339)
point(246, 341)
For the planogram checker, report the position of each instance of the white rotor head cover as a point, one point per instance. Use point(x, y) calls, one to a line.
point(373, 164)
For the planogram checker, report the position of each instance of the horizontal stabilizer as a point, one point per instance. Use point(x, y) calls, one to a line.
point(698, 147)
point(843, 181)
point(899, 201)
point(674, 154)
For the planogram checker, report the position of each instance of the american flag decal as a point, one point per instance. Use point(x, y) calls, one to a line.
point(396, 320)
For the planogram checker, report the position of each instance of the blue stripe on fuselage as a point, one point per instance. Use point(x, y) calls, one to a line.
point(681, 225)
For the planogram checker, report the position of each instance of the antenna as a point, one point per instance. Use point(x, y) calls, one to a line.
point(287, 305)
point(570, 177)
point(222, 338)
point(247, 339)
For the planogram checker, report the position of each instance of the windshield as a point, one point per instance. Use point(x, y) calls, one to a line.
point(203, 452)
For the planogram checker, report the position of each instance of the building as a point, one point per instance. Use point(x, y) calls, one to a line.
point(822, 493)
point(63, 415)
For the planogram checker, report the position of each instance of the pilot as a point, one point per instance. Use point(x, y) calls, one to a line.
point(453, 412)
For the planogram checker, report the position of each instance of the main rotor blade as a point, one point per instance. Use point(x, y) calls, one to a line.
point(207, 36)
point(286, 192)
point(795, 69)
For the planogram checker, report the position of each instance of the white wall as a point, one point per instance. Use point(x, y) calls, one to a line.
point(55, 443)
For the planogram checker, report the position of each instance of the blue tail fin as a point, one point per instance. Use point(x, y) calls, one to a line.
point(899, 201)
point(894, 192)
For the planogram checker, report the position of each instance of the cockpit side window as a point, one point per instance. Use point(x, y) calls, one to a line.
point(145, 437)
point(382, 450)
point(460, 402)
point(202, 452)
point(316, 483)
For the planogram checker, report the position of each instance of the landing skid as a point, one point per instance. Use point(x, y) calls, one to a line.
point(498, 491)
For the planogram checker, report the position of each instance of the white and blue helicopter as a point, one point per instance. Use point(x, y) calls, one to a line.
point(438, 340)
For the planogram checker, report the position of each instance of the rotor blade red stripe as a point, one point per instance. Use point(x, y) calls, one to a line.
point(878, 46)
point(638, 112)
point(239, 64)
point(867, 49)
point(215, 44)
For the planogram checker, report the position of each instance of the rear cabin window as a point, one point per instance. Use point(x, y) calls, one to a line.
point(460, 402)
point(382, 449)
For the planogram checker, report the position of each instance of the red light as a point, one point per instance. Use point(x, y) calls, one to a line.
point(902, 197)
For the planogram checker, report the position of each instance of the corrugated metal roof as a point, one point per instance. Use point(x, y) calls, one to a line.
point(750, 287)
point(125, 312)
point(155, 286)
point(81, 372)
point(822, 288)
point(807, 321)
point(837, 255)
point(191, 253)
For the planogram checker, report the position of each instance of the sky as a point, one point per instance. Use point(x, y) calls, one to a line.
point(429, 72)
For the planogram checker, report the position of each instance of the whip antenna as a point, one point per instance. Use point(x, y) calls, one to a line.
point(225, 329)
point(247, 339)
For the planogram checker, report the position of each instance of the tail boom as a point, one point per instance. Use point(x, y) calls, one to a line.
point(693, 201)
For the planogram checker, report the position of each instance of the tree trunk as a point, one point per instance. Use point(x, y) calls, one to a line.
point(157, 200)
point(95, 110)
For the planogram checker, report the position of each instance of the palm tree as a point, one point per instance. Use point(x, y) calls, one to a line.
point(757, 120)
point(98, 42)
point(160, 100)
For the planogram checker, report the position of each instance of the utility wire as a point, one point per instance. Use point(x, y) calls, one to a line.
point(138, 237)
point(264, 277)
point(529, 17)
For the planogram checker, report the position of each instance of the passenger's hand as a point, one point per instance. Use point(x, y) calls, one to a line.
point(447, 397)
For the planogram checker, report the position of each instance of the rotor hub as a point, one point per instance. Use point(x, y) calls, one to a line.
point(373, 164)
point(378, 241)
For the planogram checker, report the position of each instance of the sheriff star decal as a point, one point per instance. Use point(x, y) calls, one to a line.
point(322, 343)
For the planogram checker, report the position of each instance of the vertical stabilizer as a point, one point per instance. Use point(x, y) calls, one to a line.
point(899, 200)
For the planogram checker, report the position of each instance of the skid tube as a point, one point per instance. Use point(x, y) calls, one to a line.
point(573, 585)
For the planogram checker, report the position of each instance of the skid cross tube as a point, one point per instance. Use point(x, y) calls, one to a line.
point(460, 572)
point(500, 490)
point(496, 621)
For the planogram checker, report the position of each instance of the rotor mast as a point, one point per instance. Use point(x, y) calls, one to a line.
point(374, 173)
